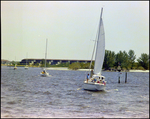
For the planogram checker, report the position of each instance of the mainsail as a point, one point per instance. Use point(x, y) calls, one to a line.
point(100, 49)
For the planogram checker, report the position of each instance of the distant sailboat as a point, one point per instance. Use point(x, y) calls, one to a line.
point(26, 67)
point(44, 73)
point(15, 65)
point(97, 82)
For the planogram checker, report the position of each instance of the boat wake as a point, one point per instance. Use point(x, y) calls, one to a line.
point(111, 90)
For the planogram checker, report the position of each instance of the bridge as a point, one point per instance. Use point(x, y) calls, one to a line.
point(52, 61)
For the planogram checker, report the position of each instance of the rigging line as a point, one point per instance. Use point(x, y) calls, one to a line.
point(87, 58)
point(92, 56)
point(96, 39)
point(93, 49)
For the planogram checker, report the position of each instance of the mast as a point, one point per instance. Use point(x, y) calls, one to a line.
point(26, 59)
point(92, 56)
point(15, 61)
point(46, 53)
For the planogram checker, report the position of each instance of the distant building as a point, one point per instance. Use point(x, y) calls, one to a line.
point(4, 62)
point(51, 61)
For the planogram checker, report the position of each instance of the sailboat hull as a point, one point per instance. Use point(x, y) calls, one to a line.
point(45, 74)
point(25, 67)
point(94, 86)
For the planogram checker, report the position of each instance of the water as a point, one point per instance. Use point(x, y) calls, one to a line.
point(25, 94)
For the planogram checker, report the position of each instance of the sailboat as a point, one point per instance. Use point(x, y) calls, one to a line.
point(44, 73)
point(15, 65)
point(97, 81)
point(26, 67)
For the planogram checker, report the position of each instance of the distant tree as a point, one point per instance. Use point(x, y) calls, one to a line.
point(61, 65)
point(126, 64)
point(135, 65)
point(140, 68)
point(109, 59)
point(13, 63)
point(67, 64)
point(74, 66)
point(84, 65)
point(132, 58)
point(92, 65)
point(36, 64)
point(119, 58)
point(18, 63)
point(123, 59)
point(144, 61)
point(43, 63)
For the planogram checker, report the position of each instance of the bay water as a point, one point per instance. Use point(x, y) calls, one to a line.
point(24, 94)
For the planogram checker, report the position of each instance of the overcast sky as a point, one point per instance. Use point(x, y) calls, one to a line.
point(70, 27)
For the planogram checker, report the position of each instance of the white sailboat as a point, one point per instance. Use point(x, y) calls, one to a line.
point(97, 81)
point(44, 73)
point(26, 67)
point(15, 65)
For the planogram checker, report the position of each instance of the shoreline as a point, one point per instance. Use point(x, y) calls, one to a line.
point(66, 68)
point(138, 70)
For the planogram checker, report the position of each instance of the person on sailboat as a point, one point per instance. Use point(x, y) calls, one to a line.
point(94, 80)
point(91, 73)
point(101, 81)
point(87, 78)
point(43, 72)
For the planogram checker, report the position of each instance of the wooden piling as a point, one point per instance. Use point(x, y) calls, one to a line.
point(119, 79)
point(126, 77)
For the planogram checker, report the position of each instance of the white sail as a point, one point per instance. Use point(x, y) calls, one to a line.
point(100, 50)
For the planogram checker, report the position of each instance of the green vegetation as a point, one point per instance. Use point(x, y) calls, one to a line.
point(131, 59)
point(112, 61)
point(43, 63)
point(109, 59)
point(143, 61)
point(61, 65)
point(74, 66)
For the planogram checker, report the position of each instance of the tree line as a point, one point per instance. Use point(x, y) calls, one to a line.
point(126, 60)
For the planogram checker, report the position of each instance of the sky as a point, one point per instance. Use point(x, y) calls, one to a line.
point(71, 27)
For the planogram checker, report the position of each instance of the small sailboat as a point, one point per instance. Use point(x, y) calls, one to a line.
point(26, 67)
point(44, 73)
point(15, 66)
point(97, 81)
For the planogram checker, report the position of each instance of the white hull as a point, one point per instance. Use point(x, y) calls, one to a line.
point(26, 67)
point(45, 74)
point(94, 86)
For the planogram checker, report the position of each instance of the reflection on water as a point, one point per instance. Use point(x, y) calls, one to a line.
point(25, 94)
